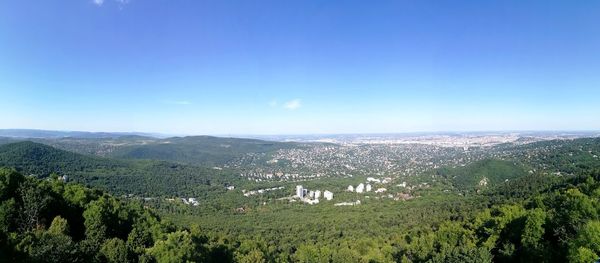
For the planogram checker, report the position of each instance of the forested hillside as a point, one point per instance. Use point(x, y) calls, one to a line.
point(50, 221)
point(482, 174)
point(137, 177)
point(194, 150)
point(559, 225)
point(41, 160)
point(202, 150)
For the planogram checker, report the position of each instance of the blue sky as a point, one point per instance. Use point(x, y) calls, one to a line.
point(299, 66)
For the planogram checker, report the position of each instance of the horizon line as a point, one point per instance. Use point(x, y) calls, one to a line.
point(162, 134)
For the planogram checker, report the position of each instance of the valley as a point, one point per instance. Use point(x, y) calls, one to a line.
point(239, 189)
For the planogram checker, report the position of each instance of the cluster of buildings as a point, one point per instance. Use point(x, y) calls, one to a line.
point(187, 201)
point(260, 191)
point(190, 201)
point(362, 188)
point(386, 156)
point(312, 197)
point(443, 140)
point(279, 176)
point(379, 181)
point(387, 161)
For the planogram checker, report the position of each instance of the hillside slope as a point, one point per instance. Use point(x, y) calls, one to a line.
point(50, 221)
point(196, 150)
point(200, 150)
point(489, 172)
point(41, 160)
point(143, 178)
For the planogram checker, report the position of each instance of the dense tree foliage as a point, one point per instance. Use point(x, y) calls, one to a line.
point(136, 177)
point(50, 221)
point(483, 173)
point(199, 150)
point(556, 226)
point(41, 160)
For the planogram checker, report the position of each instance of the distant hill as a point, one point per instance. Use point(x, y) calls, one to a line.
point(139, 177)
point(41, 160)
point(199, 150)
point(5, 140)
point(484, 173)
point(32, 133)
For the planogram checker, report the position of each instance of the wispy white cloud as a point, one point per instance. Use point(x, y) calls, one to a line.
point(292, 104)
point(120, 3)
